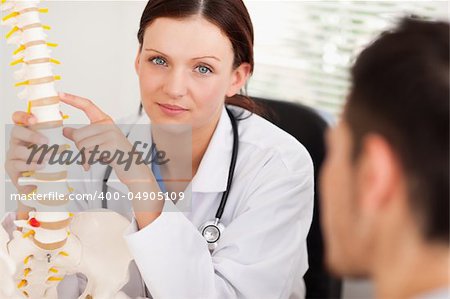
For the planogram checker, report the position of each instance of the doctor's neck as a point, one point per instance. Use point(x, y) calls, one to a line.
point(185, 149)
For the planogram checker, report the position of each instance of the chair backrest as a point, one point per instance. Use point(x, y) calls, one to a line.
point(309, 128)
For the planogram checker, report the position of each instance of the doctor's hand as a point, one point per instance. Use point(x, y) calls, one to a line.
point(18, 154)
point(103, 136)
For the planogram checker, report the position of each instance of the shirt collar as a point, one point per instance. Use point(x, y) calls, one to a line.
point(212, 174)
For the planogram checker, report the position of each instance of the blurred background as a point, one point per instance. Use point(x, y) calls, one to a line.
point(303, 50)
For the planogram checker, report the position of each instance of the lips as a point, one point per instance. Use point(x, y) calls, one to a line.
point(172, 110)
point(172, 107)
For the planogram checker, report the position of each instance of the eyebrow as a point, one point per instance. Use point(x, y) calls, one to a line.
point(196, 58)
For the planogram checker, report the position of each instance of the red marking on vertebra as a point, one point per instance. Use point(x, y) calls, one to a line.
point(34, 223)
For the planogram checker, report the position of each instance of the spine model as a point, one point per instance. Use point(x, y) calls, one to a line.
point(53, 242)
point(33, 54)
point(47, 230)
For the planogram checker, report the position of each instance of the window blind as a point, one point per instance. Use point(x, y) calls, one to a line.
point(304, 49)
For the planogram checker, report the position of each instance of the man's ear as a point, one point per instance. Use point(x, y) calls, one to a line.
point(240, 76)
point(137, 61)
point(378, 173)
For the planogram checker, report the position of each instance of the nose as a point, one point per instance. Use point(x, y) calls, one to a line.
point(176, 84)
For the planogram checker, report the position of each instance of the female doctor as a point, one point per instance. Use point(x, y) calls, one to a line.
point(194, 57)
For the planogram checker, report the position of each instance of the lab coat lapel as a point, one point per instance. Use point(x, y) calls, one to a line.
point(212, 173)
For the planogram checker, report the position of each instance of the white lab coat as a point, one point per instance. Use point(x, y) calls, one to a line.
point(262, 252)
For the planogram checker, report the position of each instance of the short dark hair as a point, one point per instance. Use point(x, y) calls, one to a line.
point(400, 90)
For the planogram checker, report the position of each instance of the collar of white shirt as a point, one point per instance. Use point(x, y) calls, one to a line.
point(212, 174)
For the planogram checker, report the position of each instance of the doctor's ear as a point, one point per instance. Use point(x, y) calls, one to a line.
point(240, 77)
point(137, 61)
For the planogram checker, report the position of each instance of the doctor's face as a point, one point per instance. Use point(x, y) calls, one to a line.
point(185, 70)
point(346, 243)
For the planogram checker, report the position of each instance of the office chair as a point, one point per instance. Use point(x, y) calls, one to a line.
point(308, 127)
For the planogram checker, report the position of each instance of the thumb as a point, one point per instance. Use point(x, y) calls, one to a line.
point(68, 133)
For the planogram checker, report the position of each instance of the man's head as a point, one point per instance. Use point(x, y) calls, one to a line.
point(386, 177)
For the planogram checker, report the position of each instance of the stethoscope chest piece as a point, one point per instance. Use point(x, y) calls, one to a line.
point(212, 231)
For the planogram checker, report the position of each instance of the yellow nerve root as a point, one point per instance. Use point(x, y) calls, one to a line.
point(63, 253)
point(53, 270)
point(54, 278)
point(54, 61)
point(22, 83)
point(19, 49)
point(11, 15)
point(27, 259)
point(16, 62)
point(28, 233)
point(12, 31)
point(26, 271)
point(22, 283)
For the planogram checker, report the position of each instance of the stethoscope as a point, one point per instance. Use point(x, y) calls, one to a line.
point(211, 230)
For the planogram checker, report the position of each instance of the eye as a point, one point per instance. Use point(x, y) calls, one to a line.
point(204, 70)
point(158, 61)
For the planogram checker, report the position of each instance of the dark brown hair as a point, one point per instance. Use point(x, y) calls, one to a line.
point(231, 16)
point(401, 91)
